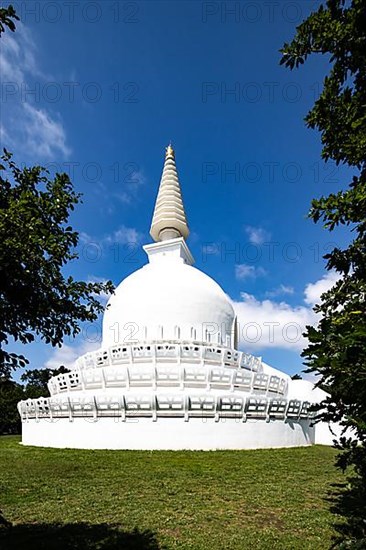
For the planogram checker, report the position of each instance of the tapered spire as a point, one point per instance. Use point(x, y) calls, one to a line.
point(169, 219)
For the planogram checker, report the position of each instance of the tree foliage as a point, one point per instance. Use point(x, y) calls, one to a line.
point(337, 346)
point(36, 381)
point(10, 394)
point(36, 242)
point(7, 18)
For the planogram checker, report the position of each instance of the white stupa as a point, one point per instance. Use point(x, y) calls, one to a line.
point(168, 374)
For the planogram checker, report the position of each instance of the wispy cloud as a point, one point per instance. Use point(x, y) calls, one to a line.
point(132, 184)
point(280, 291)
point(42, 134)
point(123, 235)
point(210, 249)
point(257, 235)
point(245, 271)
point(27, 127)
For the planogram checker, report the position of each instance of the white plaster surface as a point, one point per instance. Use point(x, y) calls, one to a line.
point(165, 294)
point(167, 434)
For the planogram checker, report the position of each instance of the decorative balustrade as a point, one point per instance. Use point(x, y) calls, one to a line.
point(169, 352)
point(180, 376)
point(154, 406)
point(249, 391)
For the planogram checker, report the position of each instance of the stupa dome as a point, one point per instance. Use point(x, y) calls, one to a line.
point(168, 299)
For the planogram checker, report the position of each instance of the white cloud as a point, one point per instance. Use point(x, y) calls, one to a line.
point(264, 324)
point(28, 127)
point(245, 271)
point(125, 241)
point(209, 249)
point(4, 136)
point(43, 135)
point(257, 235)
point(85, 237)
point(67, 355)
point(310, 377)
point(313, 291)
point(124, 235)
point(267, 323)
point(18, 56)
point(280, 290)
point(132, 184)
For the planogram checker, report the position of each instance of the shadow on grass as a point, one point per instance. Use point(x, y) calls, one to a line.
point(348, 500)
point(75, 536)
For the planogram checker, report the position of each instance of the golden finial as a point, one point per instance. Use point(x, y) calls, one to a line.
point(169, 151)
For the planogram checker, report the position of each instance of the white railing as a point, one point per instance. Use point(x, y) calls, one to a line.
point(169, 352)
point(163, 375)
point(174, 405)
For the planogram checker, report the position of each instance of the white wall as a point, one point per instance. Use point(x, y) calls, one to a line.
point(167, 433)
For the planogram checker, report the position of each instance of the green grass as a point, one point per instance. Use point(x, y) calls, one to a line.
point(109, 500)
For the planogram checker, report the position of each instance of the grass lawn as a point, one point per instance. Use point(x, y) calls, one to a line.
point(109, 500)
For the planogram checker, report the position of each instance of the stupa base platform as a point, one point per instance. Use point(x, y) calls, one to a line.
point(198, 434)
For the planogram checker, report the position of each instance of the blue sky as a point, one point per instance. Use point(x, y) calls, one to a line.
point(98, 89)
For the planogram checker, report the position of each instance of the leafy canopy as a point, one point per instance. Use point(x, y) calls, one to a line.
point(36, 242)
point(337, 346)
point(7, 17)
point(36, 381)
point(10, 394)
